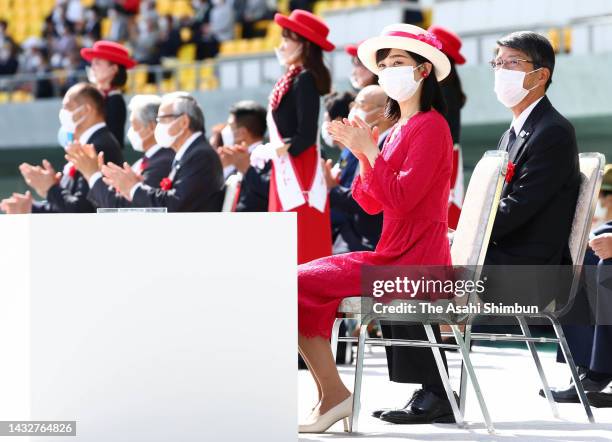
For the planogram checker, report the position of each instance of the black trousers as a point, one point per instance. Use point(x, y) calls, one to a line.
point(411, 365)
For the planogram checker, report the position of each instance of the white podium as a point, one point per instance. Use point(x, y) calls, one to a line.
point(150, 327)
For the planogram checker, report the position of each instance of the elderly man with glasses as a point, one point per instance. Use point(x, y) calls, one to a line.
point(195, 182)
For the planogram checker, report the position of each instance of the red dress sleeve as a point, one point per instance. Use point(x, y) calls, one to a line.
point(401, 190)
point(367, 202)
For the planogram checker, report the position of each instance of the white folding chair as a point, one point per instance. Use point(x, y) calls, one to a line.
point(232, 187)
point(469, 248)
point(591, 171)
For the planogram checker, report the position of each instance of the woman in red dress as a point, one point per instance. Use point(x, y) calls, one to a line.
point(408, 181)
point(297, 182)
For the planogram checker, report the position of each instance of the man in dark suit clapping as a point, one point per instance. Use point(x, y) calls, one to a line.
point(82, 116)
point(153, 166)
point(195, 182)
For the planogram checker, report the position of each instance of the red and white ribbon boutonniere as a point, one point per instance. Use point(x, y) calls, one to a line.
point(165, 184)
point(510, 171)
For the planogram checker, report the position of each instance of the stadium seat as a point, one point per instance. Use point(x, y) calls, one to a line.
point(187, 52)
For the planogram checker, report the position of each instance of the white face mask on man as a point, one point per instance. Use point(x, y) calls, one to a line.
point(136, 140)
point(398, 82)
point(509, 86)
point(66, 118)
point(162, 134)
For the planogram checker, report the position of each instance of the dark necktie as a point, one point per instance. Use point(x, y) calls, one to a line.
point(511, 140)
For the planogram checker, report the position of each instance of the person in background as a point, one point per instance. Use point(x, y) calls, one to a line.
point(455, 100)
point(297, 182)
point(590, 341)
point(603, 210)
point(169, 37)
point(360, 76)
point(218, 28)
point(337, 106)
point(253, 11)
point(146, 41)
point(9, 64)
point(82, 115)
point(246, 126)
point(153, 166)
point(109, 64)
point(355, 229)
point(195, 182)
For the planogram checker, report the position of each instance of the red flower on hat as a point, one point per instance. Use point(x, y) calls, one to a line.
point(430, 39)
point(166, 184)
point(510, 171)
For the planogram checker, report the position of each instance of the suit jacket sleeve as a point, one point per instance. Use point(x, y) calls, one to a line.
point(341, 198)
point(198, 179)
point(63, 201)
point(307, 104)
point(102, 195)
point(255, 189)
point(551, 159)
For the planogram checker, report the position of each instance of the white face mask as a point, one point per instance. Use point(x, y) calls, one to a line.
point(135, 140)
point(285, 60)
point(228, 136)
point(509, 86)
point(354, 83)
point(91, 76)
point(66, 119)
point(398, 82)
point(327, 138)
point(363, 115)
point(162, 134)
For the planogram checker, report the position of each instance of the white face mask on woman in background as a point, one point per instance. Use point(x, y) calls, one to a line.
point(398, 82)
point(509, 86)
point(287, 59)
point(327, 138)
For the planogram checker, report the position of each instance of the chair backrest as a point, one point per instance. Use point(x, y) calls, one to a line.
point(591, 175)
point(231, 192)
point(471, 238)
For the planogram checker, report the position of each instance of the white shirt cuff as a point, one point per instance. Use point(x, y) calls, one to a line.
point(95, 177)
point(133, 190)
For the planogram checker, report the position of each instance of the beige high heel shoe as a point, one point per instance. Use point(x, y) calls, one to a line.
point(342, 411)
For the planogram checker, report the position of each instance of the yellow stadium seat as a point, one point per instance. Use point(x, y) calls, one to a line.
point(567, 40)
point(263, 25)
point(554, 38)
point(88, 3)
point(187, 78)
point(105, 27)
point(187, 52)
point(21, 97)
point(168, 85)
point(148, 88)
point(229, 47)
point(258, 45)
point(4, 97)
point(186, 34)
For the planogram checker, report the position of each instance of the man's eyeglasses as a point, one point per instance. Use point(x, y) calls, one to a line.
point(163, 117)
point(510, 63)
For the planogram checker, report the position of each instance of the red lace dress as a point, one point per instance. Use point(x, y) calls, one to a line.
point(409, 183)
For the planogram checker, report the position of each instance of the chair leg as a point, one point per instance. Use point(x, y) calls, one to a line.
point(363, 334)
point(444, 375)
point(334, 336)
point(467, 362)
point(464, 378)
point(569, 359)
point(536, 359)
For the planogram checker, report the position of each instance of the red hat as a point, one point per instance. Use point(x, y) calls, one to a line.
point(308, 25)
point(451, 43)
point(352, 49)
point(111, 51)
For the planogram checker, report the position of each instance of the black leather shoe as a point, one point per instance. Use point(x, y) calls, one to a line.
point(423, 408)
point(601, 399)
point(569, 395)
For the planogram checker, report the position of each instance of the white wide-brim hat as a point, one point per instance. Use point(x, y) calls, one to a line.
point(409, 38)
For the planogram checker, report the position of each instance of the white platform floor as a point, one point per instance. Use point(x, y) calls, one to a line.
point(510, 384)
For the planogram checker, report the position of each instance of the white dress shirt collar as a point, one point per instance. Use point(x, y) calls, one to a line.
point(185, 146)
point(152, 150)
point(519, 122)
point(86, 135)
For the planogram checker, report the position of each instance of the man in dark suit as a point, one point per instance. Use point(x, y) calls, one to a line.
point(247, 123)
point(153, 166)
point(352, 228)
point(82, 115)
point(536, 209)
point(195, 182)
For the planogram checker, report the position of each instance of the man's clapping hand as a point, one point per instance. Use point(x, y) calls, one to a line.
point(123, 179)
point(41, 179)
point(18, 203)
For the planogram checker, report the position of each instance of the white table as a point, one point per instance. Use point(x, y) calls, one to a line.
point(150, 327)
